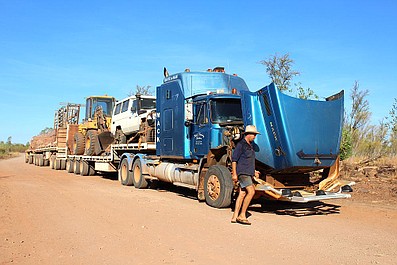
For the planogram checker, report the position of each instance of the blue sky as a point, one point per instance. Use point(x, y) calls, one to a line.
point(63, 51)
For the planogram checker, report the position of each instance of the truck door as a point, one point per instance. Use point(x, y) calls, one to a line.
point(200, 133)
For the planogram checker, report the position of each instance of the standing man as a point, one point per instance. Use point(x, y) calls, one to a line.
point(243, 170)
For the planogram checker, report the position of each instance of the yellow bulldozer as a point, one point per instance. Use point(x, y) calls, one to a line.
point(94, 136)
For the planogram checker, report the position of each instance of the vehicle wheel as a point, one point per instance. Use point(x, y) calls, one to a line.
point(76, 167)
point(46, 162)
point(63, 164)
point(30, 159)
point(218, 187)
point(57, 164)
point(120, 137)
point(78, 144)
point(91, 140)
point(36, 159)
point(40, 160)
point(86, 168)
point(52, 162)
point(69, 165)
point(123, 139)
point(26, 158)
point(138, 179)
point(125, 175)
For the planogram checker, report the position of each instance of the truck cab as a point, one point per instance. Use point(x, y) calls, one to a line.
point(193, 109)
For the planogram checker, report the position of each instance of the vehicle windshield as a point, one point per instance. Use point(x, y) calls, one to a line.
point(226, 110)
point(148, 103)
point(105, 103)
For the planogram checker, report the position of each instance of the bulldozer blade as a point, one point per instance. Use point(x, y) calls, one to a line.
point(105, 139)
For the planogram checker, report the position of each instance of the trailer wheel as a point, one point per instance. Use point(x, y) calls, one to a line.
point(57, 164)
point(218, 187)
point(125, 175)
point(40, 160)
point(52, 162)
point(30, 159)
point(86, 169)
point(138, 179)
point(91, 140)
point(78, 144)
point(69, 165)
point(46, 162)
point(26, 157)
point(76, 167)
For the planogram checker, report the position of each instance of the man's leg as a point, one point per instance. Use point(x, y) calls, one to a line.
point(239, 201)
point(247, 200)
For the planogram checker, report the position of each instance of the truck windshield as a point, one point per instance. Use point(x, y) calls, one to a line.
point(225, 110)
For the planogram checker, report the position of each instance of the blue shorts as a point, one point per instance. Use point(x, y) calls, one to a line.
point(245, 180)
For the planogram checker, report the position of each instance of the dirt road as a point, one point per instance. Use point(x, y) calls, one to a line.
point(52, 217)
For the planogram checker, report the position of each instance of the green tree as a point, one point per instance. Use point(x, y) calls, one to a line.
point(279, 69)
point(281, 72)
point(392, 126)
point(45, 130)
point(358, 117)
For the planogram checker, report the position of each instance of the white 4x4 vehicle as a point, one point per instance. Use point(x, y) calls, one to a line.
point(131, 117)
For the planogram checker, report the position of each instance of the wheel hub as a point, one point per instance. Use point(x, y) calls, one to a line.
point(213, 187)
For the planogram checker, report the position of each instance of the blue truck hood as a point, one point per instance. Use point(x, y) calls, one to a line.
point(297, 135)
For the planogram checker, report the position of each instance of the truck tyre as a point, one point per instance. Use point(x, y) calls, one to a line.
point(63, 164)
point(91, 140)
point(30, 159)
point(138, 179)
point(57, 164)
point(76, 167)
point(78, 144)
point(86, 169)
point(52, 162)
point(46, 162)
point(40, 160)
point(26, 158)
point(125, 175)
point(69, 165)
point(218, 186)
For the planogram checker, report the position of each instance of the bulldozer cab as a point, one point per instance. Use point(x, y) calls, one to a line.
point(104, 102)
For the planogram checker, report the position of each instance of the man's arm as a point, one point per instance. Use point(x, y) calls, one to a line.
point(234, 172)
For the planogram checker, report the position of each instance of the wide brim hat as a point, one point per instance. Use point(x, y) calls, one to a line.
point(251, 129)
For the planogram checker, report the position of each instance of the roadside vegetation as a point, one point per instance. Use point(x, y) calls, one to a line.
point(9, 149)
point(362, 139)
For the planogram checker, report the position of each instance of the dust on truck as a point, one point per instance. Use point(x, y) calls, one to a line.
point(200, 116)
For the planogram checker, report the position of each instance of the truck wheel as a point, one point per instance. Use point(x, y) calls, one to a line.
point(46, 162)
point(86, 169)
point(40, 160)
point(125, 175)
point(52, 162)
point(57, 164)
point(138, 179)
point(30, 159)
point(91, 140)
point(76, 167)
point(218, 187)
point(69, 165)
point(26, 158)
point(63, 164)
point(78, 144)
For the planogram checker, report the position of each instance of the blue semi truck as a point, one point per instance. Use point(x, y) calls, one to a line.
point(200, 116)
